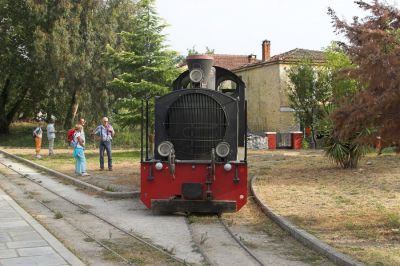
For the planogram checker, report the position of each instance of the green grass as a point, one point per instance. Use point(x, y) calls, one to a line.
point(21, 136)
point(110, 188)
point(58, 215)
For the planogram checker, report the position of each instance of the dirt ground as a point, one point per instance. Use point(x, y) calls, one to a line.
point(357, 211)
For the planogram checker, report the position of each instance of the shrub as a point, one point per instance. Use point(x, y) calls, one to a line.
point(345, 153)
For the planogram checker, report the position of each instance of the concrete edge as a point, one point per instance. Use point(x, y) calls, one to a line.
point(75, 181)
point(66, 254)
point(304, 237)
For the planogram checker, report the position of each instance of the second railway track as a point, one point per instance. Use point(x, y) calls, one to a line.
point(73, 208)
point(213, 242)
point(70, 209)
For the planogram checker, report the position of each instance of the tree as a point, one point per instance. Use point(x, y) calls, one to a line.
point(144, 68)
point(374, 46)
point(344, 152)
point(52, 57)
point(193, 50)
point(309, 91)
point(17, 64)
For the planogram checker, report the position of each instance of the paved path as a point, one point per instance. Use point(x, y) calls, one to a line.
point(23, 241)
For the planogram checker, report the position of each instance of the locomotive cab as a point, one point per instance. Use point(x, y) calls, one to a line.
point(199, 138)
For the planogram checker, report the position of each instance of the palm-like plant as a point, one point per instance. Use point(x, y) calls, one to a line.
point(346, 153)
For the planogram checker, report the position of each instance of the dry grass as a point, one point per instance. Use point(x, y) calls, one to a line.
point(140, 255)
point(357, 211)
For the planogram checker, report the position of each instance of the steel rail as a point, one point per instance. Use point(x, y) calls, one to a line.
point(207, 260)
point(88, 235)
point(100, 218)
point(75, 227)
point(248, 251)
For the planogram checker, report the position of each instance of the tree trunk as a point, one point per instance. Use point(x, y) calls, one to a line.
point(7, 116)
point(4, 126)
point(313, 138)
point(72, 111)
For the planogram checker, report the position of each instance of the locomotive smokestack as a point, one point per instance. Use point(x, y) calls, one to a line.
point(199, 69)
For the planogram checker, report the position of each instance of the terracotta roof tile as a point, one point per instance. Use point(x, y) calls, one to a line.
point(292, 55)
point(299, 54)
point(231, 61)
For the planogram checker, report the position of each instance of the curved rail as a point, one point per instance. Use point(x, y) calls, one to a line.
point(248, 251)
point(207, 260)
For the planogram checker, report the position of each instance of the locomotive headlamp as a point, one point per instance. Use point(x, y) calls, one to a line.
point(227, 167)
point(196, 75)
point(159, 166)
point(222, 149)
point(165, 148)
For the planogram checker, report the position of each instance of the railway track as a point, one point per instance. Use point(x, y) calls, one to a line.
point(219, 240)
point(215, 236)
point(70, 207)
point(251, 254)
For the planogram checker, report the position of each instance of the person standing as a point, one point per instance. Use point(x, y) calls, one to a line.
point(37, 134)
point(105, 134)
point(79, 152)
point(51, 135)
point(82, 122)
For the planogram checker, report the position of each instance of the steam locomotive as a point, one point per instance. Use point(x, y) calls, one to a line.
point(199, 161)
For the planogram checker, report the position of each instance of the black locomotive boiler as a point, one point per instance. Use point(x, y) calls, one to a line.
point(200, 156)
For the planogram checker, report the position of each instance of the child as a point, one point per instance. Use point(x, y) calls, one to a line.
point(79, 152)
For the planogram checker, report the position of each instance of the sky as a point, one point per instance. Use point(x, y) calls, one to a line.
point(240, 26)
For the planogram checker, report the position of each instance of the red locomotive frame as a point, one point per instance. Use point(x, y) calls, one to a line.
point(229, 188)
point(208, 176)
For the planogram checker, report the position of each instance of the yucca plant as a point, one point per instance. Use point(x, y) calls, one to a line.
point(346, 153)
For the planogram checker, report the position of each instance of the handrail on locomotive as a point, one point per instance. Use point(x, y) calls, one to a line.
point(200, 127)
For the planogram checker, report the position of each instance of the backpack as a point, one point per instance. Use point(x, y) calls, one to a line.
point(70, 135)
point(34, 132)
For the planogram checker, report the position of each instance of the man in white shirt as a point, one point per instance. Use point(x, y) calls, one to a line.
point(51, 135)
point(105, 133)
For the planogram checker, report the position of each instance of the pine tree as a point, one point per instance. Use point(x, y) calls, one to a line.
point(144, 67)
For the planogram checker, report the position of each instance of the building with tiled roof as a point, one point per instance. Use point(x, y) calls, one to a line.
point(267, 86)
point(292, 56)
point(233, 61)
point(230, 61)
